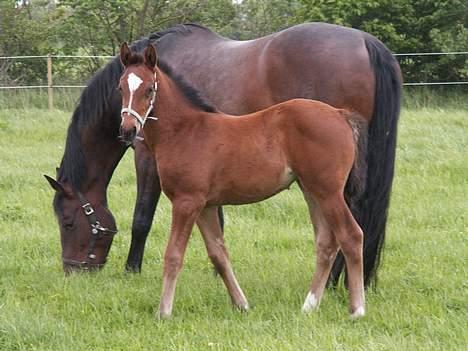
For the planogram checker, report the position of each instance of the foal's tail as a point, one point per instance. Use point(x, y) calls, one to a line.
point(356, 184)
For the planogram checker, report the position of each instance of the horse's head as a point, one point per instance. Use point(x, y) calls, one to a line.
point(86, 226)
point(138, 86)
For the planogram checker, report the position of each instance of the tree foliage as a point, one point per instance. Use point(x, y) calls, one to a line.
point(30, 27)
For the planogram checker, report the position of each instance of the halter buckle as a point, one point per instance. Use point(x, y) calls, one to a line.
point(88, 209)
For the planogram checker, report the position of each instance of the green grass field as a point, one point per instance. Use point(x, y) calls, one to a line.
point(421, 302)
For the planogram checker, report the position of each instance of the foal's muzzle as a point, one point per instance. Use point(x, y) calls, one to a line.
point(128, 135)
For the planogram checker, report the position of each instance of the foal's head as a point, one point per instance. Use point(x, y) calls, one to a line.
point(138, 86)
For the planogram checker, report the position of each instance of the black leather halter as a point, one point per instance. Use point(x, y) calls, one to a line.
point(97, 232)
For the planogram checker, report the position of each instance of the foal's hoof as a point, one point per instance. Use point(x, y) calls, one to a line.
point(311, 303)
point(358, 313)
point(161, 316)
point(242, 308)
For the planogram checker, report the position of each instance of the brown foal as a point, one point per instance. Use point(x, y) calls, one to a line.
point(207, 159)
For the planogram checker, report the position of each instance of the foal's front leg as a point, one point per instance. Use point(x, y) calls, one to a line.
point(184, 213)
point(210, 228)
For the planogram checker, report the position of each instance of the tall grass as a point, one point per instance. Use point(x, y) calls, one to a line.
point(64, 99)
point(417, 97)
point(420, 304)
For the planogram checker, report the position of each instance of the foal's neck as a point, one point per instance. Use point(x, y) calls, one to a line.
point(173, 109)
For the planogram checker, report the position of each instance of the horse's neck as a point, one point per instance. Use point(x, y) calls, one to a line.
point(100, 153)
point(105, 153)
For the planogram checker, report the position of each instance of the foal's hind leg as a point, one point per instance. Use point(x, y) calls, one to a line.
point(326, 249)
point(208, 222)
point(349, 236)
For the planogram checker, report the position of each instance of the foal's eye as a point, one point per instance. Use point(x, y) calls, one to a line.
point(149, 91)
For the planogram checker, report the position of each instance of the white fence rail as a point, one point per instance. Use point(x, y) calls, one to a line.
point(50, 86)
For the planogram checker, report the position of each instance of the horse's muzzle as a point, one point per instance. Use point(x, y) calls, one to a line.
point(128, 135)
point(72, 266)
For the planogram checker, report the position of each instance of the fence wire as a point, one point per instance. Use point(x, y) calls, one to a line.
point(79, 86)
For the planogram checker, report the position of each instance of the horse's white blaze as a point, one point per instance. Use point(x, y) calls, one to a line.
point(311, 302)
point(359, 312)
point(133, 82)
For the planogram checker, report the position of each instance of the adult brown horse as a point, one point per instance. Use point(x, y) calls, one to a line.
point(340, 66)
point(206, 159)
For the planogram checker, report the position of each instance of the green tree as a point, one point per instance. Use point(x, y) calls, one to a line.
point(24, 30)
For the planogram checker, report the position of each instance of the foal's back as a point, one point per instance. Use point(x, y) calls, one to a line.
point(258, 155)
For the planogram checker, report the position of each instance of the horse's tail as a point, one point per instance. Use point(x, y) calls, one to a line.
point(371, 208)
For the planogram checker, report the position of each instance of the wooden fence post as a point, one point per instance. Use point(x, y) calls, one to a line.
point(49, 82)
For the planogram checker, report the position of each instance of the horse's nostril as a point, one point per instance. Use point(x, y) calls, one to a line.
point(132, 133)
point(128, 134)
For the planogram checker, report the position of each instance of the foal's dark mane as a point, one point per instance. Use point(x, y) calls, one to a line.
point(99, 105)
point(194, 96)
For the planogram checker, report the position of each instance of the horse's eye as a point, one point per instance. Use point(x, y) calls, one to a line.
point(68, 226)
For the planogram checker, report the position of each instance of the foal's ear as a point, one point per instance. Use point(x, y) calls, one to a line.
point(151, 58)
point(125, 54)
point(56, 185)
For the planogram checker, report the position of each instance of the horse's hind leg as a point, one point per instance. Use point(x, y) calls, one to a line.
point(349, 236)
point(208, 222)
point(326, 249)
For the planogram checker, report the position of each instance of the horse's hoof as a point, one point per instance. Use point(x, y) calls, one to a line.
point(358, 313)
point(132, 269)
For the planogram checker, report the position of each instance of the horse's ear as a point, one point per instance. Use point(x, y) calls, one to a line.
point(56, 185)
point(151, 58)
point(125, 54)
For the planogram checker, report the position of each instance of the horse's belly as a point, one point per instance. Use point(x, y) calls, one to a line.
point(252, 186)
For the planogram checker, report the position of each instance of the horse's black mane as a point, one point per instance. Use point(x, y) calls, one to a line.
point(98, 100)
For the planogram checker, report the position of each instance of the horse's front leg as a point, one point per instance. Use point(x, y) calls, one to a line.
point(148, 192)
point(184, 213)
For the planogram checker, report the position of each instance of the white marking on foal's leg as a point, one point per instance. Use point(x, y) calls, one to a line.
point(243, 305)
point(359, 312)
point(311, 303)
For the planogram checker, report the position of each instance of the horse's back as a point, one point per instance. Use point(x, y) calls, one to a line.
point(320, 61)
point(315, 60)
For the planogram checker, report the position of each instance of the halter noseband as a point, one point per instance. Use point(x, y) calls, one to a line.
point(136, 115)
point(97, 232)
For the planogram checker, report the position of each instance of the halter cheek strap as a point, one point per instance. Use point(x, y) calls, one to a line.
point(136, 115)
